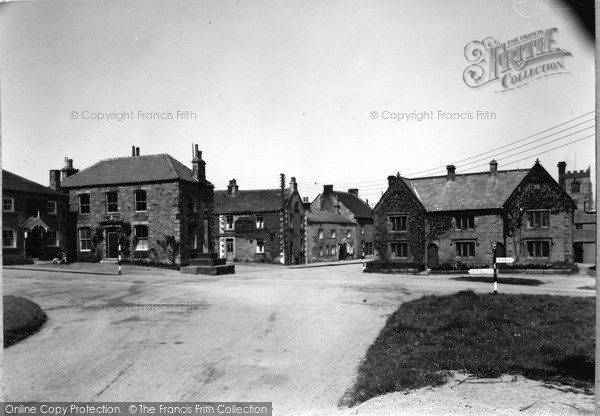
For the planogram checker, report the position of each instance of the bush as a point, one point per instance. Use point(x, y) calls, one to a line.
point(386, 265)
point(15, 260)
point(22, 318)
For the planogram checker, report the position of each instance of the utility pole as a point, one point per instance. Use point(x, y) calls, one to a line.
point(284, 228)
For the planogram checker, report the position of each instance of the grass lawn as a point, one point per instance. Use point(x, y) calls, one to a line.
point(541, 337)
point(22, 318)
point(501, 280)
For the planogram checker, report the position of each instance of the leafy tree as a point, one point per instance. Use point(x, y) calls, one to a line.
point(171, 248)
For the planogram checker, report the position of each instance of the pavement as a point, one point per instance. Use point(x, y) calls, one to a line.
point(293, 336)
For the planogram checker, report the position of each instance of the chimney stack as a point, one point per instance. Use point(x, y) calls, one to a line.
point(305, 199)
point(561, 173)
point(68, 170)
point(55, 179)
point(132, 150)
point(391, 180)
point(327, 189)
point(137, 151)
point(293, 185)
point(493, 169)
point(353, 191)
point(198, 165)
point(232, 188)
point(451, 173)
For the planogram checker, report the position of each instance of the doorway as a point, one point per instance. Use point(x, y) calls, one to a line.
point(432, 256)
point(112, 244)
point(229, 249)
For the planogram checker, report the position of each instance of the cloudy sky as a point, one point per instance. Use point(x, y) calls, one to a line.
point(311, 89)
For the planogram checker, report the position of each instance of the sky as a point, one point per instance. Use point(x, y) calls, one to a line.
point(321, 91)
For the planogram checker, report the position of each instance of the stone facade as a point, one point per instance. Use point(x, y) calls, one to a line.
point(529, 219)
point(26, 202)
point(331, 237)
point(248, 225)
point(136, 216)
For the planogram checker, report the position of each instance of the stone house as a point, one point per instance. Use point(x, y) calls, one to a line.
point(330, 236)
point(457, 218)
point(138, 201)
point(352, 207)
point(256, 225)
point(34, 220)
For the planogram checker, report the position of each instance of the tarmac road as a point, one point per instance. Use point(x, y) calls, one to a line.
point(294, 337)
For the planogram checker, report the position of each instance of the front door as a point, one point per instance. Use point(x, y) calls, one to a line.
point(112, 249)
point(34, 242)
point(432, 256)
point(229, 248)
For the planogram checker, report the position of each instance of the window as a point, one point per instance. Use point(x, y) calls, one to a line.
point(260, 246)
point(141, 235)
point(192, 241)
point(362, 230)
point(84, 203)
point(321, 252)
point(229, 220)
point(260, 222)
point(465, 222)
point(332, 233)
point(575, 188)
point(85, 239)
point(192, 203)
point(349, 234)
point(465, 248)
point(112, 203)
point(538, 219)
point(399, 249)
point(140, 201)
point(398, 223)
point(579, 226)
point(9, 238)
point(52, 207)
point(8, 204)
point(332, 249)
point(51, 238)
point(320, 233)
point(538, 248)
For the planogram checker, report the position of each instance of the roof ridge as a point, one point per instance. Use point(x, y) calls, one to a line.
point(467, 174)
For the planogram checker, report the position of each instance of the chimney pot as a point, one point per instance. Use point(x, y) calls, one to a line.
point(451, 172)
point(561, 173)
point(137, 151)
point(132, 150)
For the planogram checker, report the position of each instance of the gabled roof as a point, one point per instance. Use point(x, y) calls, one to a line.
point(256, 200)
point(33, 222)
point(467, 191)
point(322, 217)
point(132, 169)
point(357, 206)
point(12, 182)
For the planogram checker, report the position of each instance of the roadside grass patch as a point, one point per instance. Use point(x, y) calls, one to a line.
point(541, 337)
point(22, 318)
point(502, 280)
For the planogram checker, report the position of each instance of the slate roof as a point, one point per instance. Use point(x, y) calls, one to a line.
point(357, 206)
point(132, 169)
point(255, 200)
point(321, 217)
point(467, 191)
point(12, 182)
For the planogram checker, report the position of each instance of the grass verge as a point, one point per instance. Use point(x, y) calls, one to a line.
point(22, 318)
point(502, 280)
point(540, 337)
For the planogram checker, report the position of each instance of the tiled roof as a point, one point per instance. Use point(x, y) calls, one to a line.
point(132, 169)
point(320, 217)
point(467, 191)
point(12, 182)
point(356, 205)
point(256, 200)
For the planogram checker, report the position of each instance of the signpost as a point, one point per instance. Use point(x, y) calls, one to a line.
point(495, 270)
point(505, 260)
point(481, 271)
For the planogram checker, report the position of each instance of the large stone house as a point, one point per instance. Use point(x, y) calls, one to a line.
point(138, 201)
point(260, 224)
point(330, 236)
point(34, 220)
point(458, 218)
point(352, 207)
